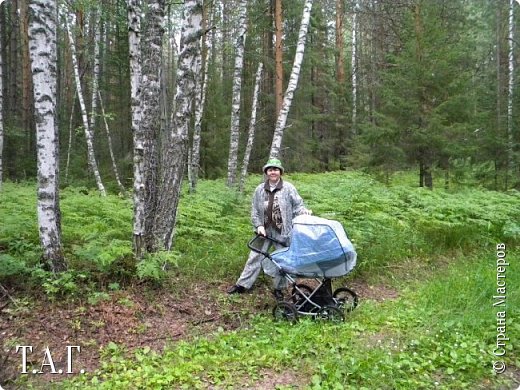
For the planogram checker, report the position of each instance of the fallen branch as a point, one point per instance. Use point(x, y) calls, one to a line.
point(203, 321)
point(4, 305)
point(6, 294)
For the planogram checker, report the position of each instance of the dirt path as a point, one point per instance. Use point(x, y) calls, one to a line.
point(134, 318)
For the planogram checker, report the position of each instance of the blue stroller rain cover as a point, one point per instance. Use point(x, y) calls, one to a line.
point(319, 248)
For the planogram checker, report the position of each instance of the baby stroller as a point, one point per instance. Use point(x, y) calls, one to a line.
point(319, 251)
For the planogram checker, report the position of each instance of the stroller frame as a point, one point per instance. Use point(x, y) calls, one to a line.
point(319, 302)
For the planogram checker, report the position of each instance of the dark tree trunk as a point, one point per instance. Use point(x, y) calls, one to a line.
point(428, 181)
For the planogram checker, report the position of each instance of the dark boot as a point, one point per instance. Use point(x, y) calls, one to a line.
point(236, 289)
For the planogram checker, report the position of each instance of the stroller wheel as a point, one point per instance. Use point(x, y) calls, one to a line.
point(285, 311)
point(298, 297)
point(345, 298)
point(330, 313)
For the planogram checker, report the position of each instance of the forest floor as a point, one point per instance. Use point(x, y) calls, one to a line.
point(134, 318)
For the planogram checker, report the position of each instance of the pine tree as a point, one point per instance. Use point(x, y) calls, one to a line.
point(1, 115)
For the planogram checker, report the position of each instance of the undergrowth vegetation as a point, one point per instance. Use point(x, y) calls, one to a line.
point(387, 224)
point(438, 247)
point(440, 333)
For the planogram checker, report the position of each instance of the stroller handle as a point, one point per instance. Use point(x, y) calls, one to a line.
point(259, 236)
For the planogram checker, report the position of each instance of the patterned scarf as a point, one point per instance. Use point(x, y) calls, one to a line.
point(273, 214)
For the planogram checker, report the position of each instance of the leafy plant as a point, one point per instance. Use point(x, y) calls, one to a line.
point(152, 266)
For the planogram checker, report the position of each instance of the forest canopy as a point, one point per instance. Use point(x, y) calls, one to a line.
point(384, 86)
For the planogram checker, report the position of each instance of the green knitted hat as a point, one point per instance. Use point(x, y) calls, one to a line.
point(273, 163)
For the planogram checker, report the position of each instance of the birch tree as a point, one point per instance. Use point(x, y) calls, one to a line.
point(174, 159)
point(252, 126)
point(95, 71)
point(71, 134)
point(151, 56)
point(235, 103)
point(200, 100)
point(70, 20)
point(110, 147)
point(42, 48)
point(293, 81)
point(134, 50)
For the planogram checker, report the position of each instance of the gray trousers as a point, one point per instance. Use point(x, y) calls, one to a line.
point(256, 261)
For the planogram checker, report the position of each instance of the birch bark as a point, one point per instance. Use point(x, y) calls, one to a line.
point(200, 99)
point(95, 71)
point(252, 125)
point(151, 56)
point(110, 148)
point(71, 134)
point(235, 101)
point(174, 159)
point(70, 19)
point(134, 42)
point(293, 81)
point(42, 48)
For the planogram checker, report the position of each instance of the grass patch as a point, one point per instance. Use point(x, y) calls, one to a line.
point(439, 333)
point(436, 247)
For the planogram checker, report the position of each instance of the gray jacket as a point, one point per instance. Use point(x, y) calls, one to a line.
point(291, 205)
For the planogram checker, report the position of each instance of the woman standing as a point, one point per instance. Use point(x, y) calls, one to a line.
point(275, 204)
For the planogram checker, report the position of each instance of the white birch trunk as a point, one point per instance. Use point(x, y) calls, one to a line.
point(235, 102)
point(1, 118)
point(42, 48)
point(134, 43)
point(151, 57)
point(354, 67)
point(110, 148)
point(71, 133)
point(189, 169)
point(293, 82)
point(200, 99)
point(174, 159)
point(95, 71)
point(104, 26)
point(89, 136)
point(209, 44)
point(510, 161)
point(252, 125)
